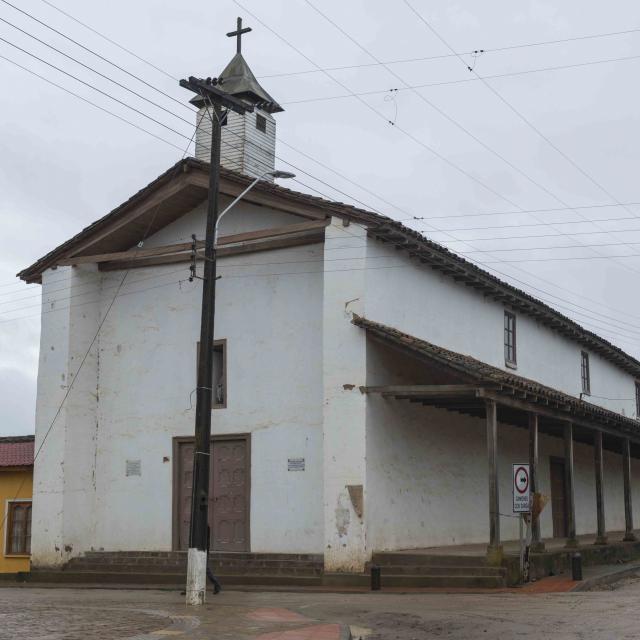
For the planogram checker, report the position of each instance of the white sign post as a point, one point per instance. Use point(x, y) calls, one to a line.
point(521, 488)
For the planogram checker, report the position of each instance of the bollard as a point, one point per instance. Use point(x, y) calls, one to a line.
point(576, 566)
point(375, 578)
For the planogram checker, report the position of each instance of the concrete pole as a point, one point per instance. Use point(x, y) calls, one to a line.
point(536, 542)
point(569, 484)
point(629, 536)
point(494, 550)
point(601, 537)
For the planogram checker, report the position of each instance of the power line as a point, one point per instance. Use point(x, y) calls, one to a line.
point(262, 274)
point(93, 104)
point(524, 119)
point(377, 113)
point(87, 84)
point(452, 55)
point(453, 121)
point(97, 55)
point(109, 40)
point(527, 284)
point(443, 83)
point(155, 104)
point(99, 73)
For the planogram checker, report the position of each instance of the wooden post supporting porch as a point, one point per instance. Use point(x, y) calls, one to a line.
point(569, 484)
point(629, 536)
point(536, 541)
point(601, 536)
point(494, 550)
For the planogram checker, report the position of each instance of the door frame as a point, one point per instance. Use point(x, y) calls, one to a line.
point(176, 442)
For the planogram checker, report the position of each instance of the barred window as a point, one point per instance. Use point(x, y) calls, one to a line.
point(584, 372)
point(637, 399)
point(19, 528)
point(509, 338)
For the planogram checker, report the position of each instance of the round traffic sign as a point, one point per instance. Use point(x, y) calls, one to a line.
point(521, 480)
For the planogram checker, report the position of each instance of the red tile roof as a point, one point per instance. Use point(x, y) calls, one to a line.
point(16, 451)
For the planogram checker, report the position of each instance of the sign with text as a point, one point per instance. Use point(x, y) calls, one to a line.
point(521, 488)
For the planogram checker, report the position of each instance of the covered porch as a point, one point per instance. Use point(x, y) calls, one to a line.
point(500, 401)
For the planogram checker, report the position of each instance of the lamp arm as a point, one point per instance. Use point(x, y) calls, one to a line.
point(237, 199)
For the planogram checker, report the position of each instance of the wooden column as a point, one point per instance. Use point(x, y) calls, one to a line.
point(629, 536)
point(494, 550)
point(569, 484)
point(601, 536)
point(536, 542)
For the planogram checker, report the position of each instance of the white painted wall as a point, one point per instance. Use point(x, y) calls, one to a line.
point(415, 299)
point(64, 483)
point(344, 356)
point(427, 471)
point(291, 350)
point(269, 309)
point(427, 478)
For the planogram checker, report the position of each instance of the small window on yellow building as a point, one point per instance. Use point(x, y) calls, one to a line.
point(19, 529)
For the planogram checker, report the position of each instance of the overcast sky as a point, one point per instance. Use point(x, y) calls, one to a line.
point(455, 147)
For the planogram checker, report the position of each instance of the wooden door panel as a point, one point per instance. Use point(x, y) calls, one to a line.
point(228, 494)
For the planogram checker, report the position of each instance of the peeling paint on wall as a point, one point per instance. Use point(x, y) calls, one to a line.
point(343, 518)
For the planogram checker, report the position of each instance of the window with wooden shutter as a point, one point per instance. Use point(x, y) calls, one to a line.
point(509, 339)
point(584, 371)
point(19, 529)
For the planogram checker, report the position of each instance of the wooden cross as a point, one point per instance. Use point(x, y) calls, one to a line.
point(238, 33)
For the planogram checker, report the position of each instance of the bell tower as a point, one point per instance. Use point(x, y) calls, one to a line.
point(248, 140)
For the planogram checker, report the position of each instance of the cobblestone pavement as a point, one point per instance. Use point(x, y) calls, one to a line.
point(88, 614)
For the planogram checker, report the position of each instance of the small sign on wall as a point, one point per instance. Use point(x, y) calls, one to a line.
point(295, 464)
point(133, 468)
point(521, 488)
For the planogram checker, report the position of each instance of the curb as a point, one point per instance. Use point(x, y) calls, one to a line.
point(607, 578)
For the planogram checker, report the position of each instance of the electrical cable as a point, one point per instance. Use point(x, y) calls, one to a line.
point(457, 240)
point(458, 125)
point(376, 112)
point(524, 119)
point(88, 50)
point(443, 83)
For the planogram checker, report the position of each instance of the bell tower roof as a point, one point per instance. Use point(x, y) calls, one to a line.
point(238, 80)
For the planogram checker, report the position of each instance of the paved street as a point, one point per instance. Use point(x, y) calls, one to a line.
point(87, 614)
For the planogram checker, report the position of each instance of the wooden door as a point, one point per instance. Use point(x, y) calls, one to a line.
point(230, 491)
point(228, 494)
point(558, 498)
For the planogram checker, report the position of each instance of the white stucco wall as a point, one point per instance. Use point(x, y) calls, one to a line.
point(295, 362)
point(415, 299)
point(269, 309)
point(427, 478)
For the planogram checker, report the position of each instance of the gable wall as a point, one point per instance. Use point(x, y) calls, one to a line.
point(269, 309)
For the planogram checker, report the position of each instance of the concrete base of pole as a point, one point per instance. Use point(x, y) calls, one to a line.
point(196, 576)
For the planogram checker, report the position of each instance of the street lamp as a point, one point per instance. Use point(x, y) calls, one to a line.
point(273, 174)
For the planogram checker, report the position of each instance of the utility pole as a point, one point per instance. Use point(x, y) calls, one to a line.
point(198, 539)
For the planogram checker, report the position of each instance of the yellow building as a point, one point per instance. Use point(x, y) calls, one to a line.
point(16, 488)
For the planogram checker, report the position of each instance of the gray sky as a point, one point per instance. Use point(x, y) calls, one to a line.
point(64, 163)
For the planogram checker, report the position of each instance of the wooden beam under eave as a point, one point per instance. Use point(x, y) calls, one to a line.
point(134, 254)
point(238, 249)
point(549, 412)
point(424, 390)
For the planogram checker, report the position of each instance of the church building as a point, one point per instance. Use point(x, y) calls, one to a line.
point(372, 388)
